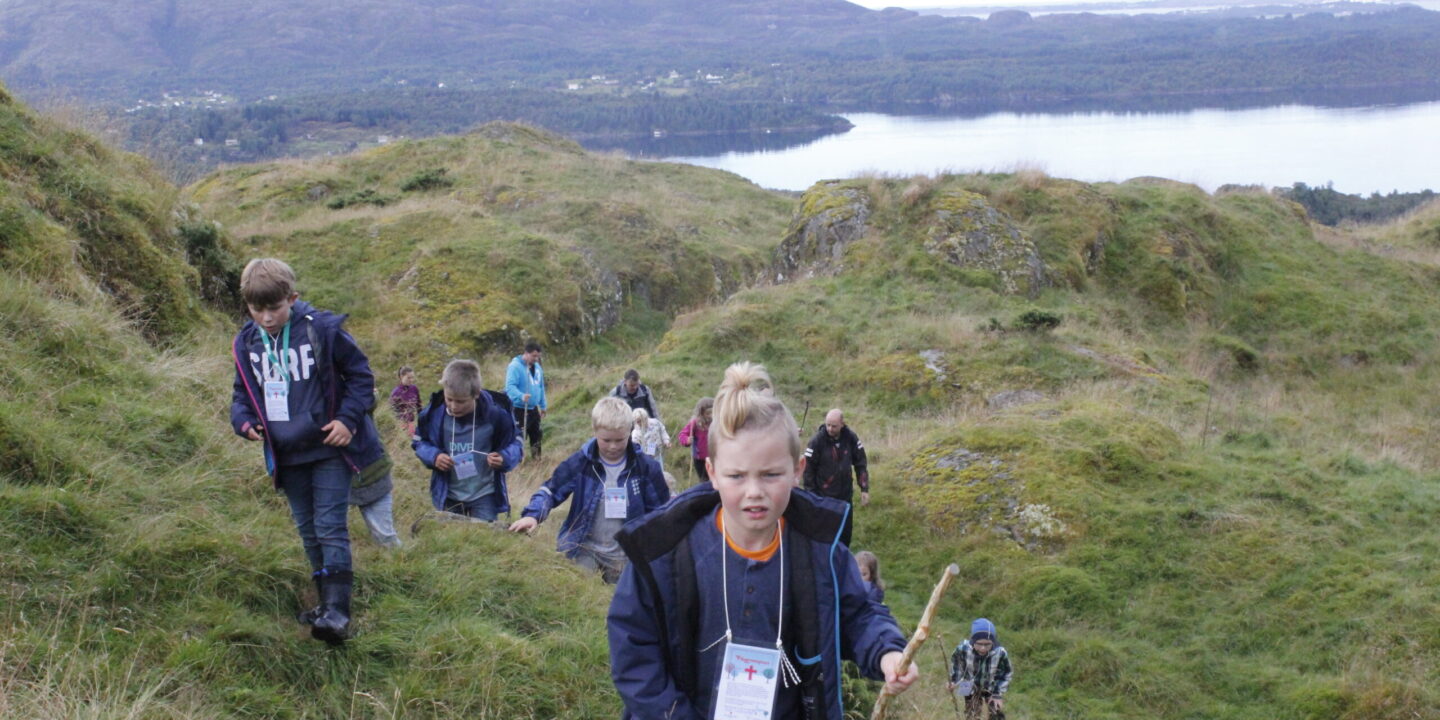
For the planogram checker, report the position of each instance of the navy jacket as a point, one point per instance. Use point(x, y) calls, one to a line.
point(583, 476)
point(656, 660)
point(428, 444)
point(346, 391)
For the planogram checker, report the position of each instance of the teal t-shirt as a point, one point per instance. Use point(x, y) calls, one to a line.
point(463, 435)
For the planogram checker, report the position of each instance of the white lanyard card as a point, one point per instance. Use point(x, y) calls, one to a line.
point(615, 503)
point(277, 401)
point(465, 466)
point(749, 678)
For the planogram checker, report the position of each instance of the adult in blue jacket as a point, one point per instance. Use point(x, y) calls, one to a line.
point(428, 443)
point(657, 654)
point(607, 468)
point(525, 386)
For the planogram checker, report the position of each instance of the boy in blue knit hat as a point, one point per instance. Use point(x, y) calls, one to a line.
point(980, 671)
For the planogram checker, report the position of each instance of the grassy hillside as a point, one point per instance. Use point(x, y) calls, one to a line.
point(476, 242)
point(84, 218)
point(1179, 444)
point(150, 571)
point(1221, 502)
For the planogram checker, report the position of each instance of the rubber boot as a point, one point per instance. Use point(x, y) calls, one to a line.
point(333, 625)
point(307, 617)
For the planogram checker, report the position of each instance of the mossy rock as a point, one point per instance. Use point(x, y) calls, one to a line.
point(966, 231)
point(962, 490)
point(832, 216)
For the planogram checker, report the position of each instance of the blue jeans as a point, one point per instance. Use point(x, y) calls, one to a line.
point(482, 508)
point(319, 495)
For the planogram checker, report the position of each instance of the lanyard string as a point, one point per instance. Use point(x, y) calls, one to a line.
point(619, 481)
point(789, 676)
point(454, 420)
point(282, 361)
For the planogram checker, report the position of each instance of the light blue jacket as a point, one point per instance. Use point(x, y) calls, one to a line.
point(518, 382)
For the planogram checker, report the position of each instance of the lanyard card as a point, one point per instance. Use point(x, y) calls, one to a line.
point(749, 677)
point(465, 466)
point(615, 503)
point(277, 401)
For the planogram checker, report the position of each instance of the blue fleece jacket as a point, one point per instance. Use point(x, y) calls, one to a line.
point(583, 476)
point(645, 611)
point(428, 444)
point(518, 383)
point(329, 379)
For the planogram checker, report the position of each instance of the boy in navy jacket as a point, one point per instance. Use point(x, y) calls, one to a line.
point(739, 597)
point(467, 438)
point(612, 482)
point(305, 390)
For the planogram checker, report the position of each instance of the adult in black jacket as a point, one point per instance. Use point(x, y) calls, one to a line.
point(637, 395)
point(831, 456)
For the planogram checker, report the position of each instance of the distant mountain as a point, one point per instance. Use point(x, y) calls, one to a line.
point(156, 44)
point(826, 52)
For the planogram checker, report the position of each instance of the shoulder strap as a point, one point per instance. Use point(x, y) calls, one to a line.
point(687, 618)
point(804, 624)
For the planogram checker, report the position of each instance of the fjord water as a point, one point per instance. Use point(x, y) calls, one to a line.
point(1360, 149)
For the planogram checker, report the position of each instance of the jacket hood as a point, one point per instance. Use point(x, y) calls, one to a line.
point(983, 629)
point(302, 309)
point(482, 403)
point(299, 309)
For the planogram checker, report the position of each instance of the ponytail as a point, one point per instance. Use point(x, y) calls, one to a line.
point(746, 401)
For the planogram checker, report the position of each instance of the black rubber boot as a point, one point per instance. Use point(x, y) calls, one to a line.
point(333, 625)
point(307, 617)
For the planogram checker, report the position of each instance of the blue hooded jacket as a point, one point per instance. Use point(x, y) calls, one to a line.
point(658, 664)
point(518, 383)
point(582, 475)
point(343, 389)
point(427, 444)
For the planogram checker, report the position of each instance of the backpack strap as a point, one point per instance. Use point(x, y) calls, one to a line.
point(803, 624)
point(687, 618)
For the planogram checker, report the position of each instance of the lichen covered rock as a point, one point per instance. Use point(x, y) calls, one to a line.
point(831, 217)
point(970, 233)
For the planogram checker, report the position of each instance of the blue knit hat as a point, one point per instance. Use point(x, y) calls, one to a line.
point(983, 629)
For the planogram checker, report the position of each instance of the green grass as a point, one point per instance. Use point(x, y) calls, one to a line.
point(1221, 505)
point(531, 238)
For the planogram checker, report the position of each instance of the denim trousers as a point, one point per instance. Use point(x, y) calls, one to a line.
point(481, 508)
point(319, 495)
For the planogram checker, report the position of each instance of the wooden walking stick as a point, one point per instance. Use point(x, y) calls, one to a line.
point(922, 633)
point(948, 690)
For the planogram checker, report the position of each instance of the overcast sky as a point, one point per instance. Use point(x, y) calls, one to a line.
point(878, 4)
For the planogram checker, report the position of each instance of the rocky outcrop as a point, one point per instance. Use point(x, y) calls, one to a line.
point(831, 217)
point(968, 232)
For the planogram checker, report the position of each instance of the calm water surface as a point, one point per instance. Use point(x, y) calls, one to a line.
point(1360, 150)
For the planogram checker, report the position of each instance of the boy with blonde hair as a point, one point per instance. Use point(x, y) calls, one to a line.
point(304, 389)
point(467, 438)
point(612, 482)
